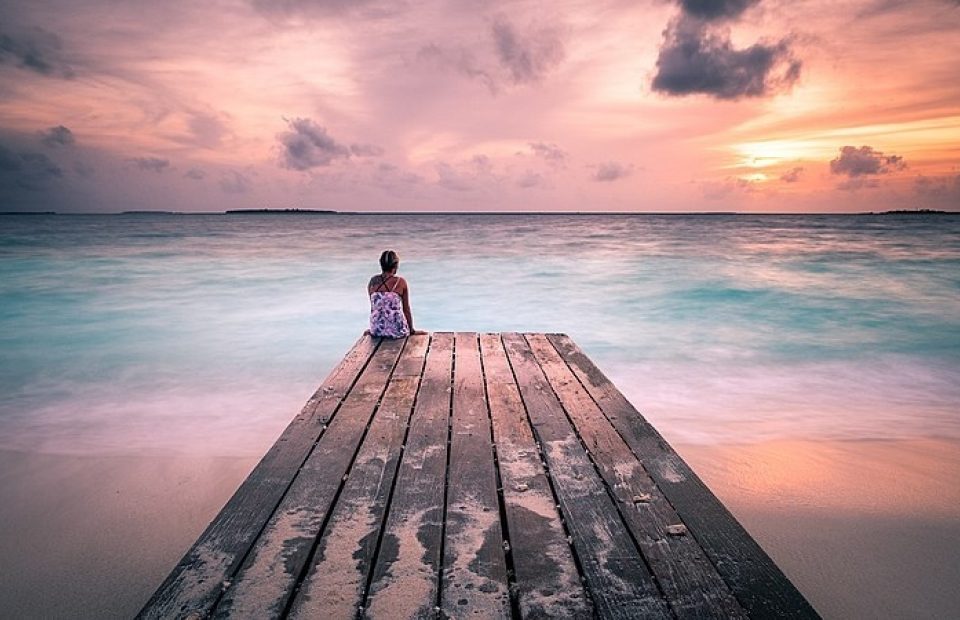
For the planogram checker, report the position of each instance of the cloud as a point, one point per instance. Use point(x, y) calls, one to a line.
point(37, 50)
point(792, 175)
point(207, 129)
point(855, 183)
point(612, 171)
point(390, 177)
point(696, 60)
point(865, 161)
point(943, 189)
point(467, 174)
point(233, 182)
point(530, 179)
point(716, 9)
point(83, 169)
point(461, 60)
point(306, 8)
point(449, 178)
point(57, 136)
point(529, 56)
point(552, 153)
point(718, 190)
point(26, 169)
point(308, 145)
point(151, 164)
point(195, 173)
point(366, 150)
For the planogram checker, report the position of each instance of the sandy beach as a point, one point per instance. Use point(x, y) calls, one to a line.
point(865, 529)
point(92, 537)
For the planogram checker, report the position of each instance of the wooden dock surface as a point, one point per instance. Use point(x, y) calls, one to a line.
point(473, 475)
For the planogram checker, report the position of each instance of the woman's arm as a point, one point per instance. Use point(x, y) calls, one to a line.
point(405, 298)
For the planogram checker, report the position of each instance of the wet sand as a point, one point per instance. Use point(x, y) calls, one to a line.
point(93, 537)
point(865, 529)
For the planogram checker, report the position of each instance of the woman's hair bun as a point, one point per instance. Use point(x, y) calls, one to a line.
point(389, 260)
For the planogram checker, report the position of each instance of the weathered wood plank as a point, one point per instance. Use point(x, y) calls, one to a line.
point(688, 579)
point(197, 580)
point(547, 582)
point(759, 585)
point(336, 582)
point(268, 575)
point(406, 573)
point(616, 574)
point(474, 567)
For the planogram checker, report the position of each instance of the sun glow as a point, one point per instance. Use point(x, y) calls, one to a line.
point(768, 153)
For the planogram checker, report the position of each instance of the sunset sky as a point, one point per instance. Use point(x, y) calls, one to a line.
point(657, 105)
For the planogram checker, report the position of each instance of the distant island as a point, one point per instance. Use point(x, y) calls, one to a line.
point(913, 212)
point(28, 212)
point(321, 211)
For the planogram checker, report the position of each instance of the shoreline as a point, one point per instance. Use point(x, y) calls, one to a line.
point(863, 528)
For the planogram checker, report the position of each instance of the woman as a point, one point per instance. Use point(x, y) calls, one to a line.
point(390, 315)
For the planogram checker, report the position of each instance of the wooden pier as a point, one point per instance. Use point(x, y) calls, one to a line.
point(473, 475)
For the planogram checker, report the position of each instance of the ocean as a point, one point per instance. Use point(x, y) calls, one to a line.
point(185, 334)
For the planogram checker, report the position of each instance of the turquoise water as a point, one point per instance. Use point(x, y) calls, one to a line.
point(206, 333)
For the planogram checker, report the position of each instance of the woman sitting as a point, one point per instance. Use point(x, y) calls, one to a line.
point(390, 315)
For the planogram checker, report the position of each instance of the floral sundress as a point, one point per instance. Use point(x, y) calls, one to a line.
point(386, 313)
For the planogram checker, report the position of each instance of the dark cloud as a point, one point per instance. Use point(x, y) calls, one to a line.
point(792, 175)
point(865, 161)
point(308, 145)
point(716, 9)
point(195, 173)
point(37, 50)
point(612, 171)
point(83, 169)
point(696, 60)
point(57, 136)
point(26, 170)
point(233, 182)
point(151, 164)
point(527, 56)
point(366, 150)
point(552, 153)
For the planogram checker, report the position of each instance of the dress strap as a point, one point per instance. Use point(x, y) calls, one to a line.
point(383, 283)
point(393, 288)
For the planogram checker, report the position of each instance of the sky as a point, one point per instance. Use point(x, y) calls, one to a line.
point(446, 105)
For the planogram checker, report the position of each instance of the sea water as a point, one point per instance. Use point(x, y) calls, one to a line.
point(157, 334)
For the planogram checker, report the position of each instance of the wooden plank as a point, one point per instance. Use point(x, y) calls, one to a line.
point(474, 566)
point(268, 575)
point(336, 582)
point(620, 583)
point(759, 585)
point(406, 573)
point(197, 581)
point(547, 582)
point(688, 579)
